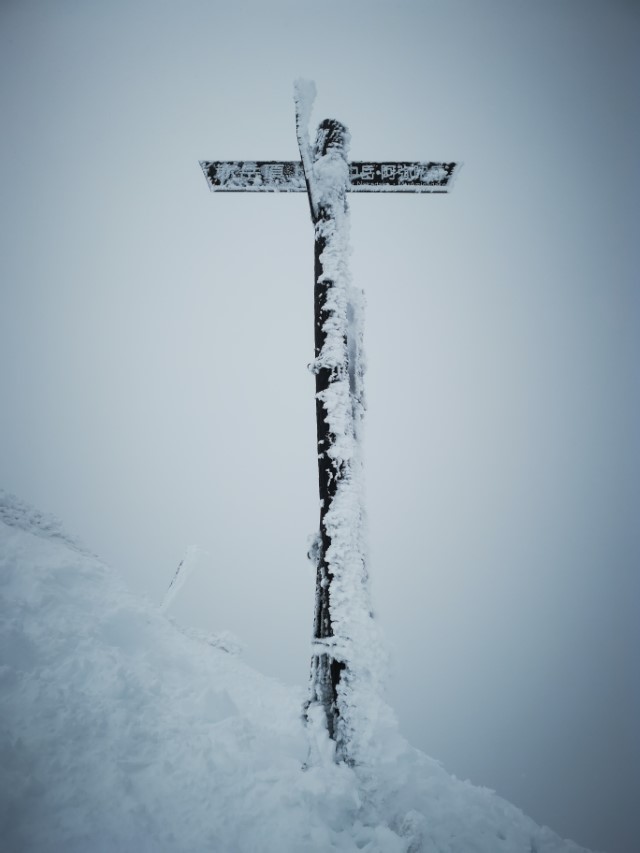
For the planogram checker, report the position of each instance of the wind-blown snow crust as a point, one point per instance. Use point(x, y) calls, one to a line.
point(350, 695)
point(122, 733)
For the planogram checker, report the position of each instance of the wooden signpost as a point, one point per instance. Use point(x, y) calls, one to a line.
point(344, 652)
point(272, 176)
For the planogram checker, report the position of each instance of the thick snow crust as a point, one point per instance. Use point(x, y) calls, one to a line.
point(120, 732)
point(363, 721)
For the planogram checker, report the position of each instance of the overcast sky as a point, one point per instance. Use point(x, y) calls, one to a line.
point(154, 339)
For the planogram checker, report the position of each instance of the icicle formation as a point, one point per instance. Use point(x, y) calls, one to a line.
point(347, 653)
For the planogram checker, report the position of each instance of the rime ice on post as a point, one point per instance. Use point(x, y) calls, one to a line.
point(344, 666)
point(345, 697)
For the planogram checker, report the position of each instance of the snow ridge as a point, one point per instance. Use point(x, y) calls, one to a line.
point(119, 732)
point(17, 513)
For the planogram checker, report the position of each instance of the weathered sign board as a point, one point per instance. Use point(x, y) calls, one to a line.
point(277, 176)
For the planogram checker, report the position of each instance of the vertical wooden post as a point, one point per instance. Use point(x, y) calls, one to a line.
point(331, 366)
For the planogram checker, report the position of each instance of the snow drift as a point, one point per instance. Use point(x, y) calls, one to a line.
point(122, 732)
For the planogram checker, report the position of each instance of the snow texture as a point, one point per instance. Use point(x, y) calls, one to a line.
point(289, 176)
point(254, 176)
point(356, 641)
point(304, 95)
point(363, 721)
point(122, 733)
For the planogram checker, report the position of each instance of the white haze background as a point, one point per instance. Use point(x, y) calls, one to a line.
point(154, 341)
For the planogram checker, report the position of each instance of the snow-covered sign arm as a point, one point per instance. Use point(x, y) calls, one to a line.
point(256, 176)
point(401, 177)
point(292, 176)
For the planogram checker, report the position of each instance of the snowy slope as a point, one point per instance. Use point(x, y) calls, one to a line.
point(120, 732)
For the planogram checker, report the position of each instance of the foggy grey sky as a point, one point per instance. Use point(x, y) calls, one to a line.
point(154, 339)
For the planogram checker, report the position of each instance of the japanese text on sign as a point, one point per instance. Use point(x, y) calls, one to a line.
point(274, 176)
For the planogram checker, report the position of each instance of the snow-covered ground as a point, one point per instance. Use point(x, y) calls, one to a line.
point(122, 732)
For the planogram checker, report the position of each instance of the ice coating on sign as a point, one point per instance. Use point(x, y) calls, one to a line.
point(400, 177)
point(254, 176)
point(289, 176)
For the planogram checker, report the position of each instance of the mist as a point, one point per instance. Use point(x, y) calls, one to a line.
point(155, 340)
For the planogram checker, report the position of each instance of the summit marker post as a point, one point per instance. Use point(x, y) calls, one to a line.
point(345, 664)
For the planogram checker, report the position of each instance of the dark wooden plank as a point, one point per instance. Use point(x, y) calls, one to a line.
point(400, 177)
point(365, 177)
point(254, 176)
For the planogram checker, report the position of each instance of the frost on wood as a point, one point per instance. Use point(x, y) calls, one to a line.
point(289, 176)
point(254, 176)
point(304, 94)
point(348, 658)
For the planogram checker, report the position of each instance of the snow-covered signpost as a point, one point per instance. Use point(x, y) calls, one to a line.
point(344, 695)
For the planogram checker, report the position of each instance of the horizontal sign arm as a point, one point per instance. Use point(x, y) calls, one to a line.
point(274, 176)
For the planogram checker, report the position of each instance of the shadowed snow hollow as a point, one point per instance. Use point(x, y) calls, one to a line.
point(120, 732)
